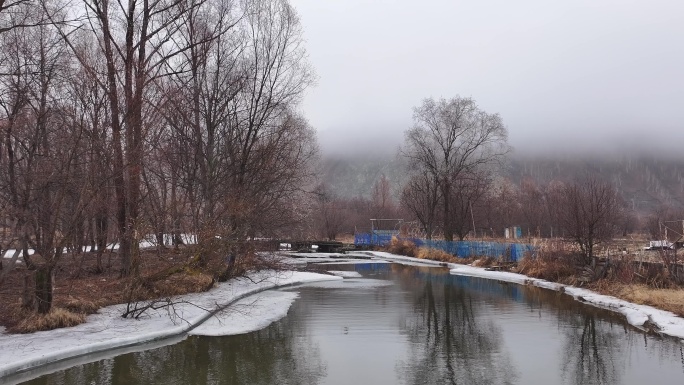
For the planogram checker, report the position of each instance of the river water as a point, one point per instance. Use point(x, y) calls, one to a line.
point(410, 325)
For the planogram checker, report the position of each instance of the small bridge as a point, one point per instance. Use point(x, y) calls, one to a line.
point(322, 246)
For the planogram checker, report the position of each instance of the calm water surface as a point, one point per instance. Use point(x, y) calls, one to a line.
point(410, 325)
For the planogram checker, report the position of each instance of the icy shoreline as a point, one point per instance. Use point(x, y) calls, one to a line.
point(106, 334)
point(106, 330)
point(641, 316)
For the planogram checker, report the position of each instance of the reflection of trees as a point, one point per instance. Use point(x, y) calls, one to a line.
point(96, 373)
point(593, 351)
point(274, 355)
point(451, 344)
point(598, 345)
point(595, 341)
point(452, 337)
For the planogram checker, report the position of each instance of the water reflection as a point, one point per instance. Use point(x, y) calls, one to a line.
point(594, 355)
point(451, 344)
point(274, 355)
point(428, 327)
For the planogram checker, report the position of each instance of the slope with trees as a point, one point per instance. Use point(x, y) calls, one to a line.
point(164, 117)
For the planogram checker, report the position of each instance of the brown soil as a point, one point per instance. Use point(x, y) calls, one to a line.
point(79, 290)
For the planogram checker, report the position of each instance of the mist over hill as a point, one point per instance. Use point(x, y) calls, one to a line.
point(645, 181)
point(353, 175)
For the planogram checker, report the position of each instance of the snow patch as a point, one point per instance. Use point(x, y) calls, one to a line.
point(355, 262)
point(350, 283)
point(106, 330)
point(345, 274)
point(248, 314)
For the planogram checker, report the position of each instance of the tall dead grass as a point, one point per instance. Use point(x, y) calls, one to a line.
point(56, 318)
point(436, 255)
point(666, 299)
point(553, 261)
point(409, 249)
point(402, 247)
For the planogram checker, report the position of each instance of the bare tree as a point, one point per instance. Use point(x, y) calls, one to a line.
point(533, 202)
point(382, 204)
point(450, 139)
point(466, 194)
point(591, 213)
point(554, 207)
point(420, 197)
point(18, 14)
point(501, 207)
point(330, 213)
point(137, 44)
point(43, 157)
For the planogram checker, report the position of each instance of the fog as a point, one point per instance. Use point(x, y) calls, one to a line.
point(581, 75)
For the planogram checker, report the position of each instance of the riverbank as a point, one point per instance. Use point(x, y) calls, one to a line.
point(106, 334)
point(644, 317)
point(106, 330)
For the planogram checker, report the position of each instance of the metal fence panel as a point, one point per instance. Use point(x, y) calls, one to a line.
point(461, 249)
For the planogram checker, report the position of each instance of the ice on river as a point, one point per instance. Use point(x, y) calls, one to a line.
point(107, 330)
point(345, 274)
point(248, 314)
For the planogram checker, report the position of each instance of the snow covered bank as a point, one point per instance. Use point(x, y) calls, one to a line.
point(295, 258)
point(106, 330)
point(345, 274)
point(248, 314)
point(640, 316)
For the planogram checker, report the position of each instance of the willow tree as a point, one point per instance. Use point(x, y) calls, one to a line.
point(451, 140)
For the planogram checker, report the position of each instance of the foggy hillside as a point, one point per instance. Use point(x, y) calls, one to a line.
point(645, 182)
point(353, 176)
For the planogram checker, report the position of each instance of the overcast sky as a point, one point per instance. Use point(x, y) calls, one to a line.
point(561, 73)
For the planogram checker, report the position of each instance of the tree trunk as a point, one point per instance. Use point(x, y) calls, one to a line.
point(43, 293)
point(160, 239)
point(101, 229)
point(448, 228)
point(27, 300)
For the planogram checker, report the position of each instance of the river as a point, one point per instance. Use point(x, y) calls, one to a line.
point(403, 324)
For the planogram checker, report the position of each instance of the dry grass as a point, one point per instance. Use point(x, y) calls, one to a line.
point(665, 299)
point(178, 284)
point(548, 269)
point(435, 255)
point(484, 262)
point(163, 273)
point(553, 261)
point(558, 261)
point(80, 305)
point(409, 249)
point(403, 247)
point(56, 318)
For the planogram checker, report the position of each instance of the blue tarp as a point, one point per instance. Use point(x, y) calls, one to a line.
point(462, 249)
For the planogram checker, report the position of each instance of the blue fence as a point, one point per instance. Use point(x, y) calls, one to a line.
point(368, 239)
point(465, 249)
point(461, 249)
